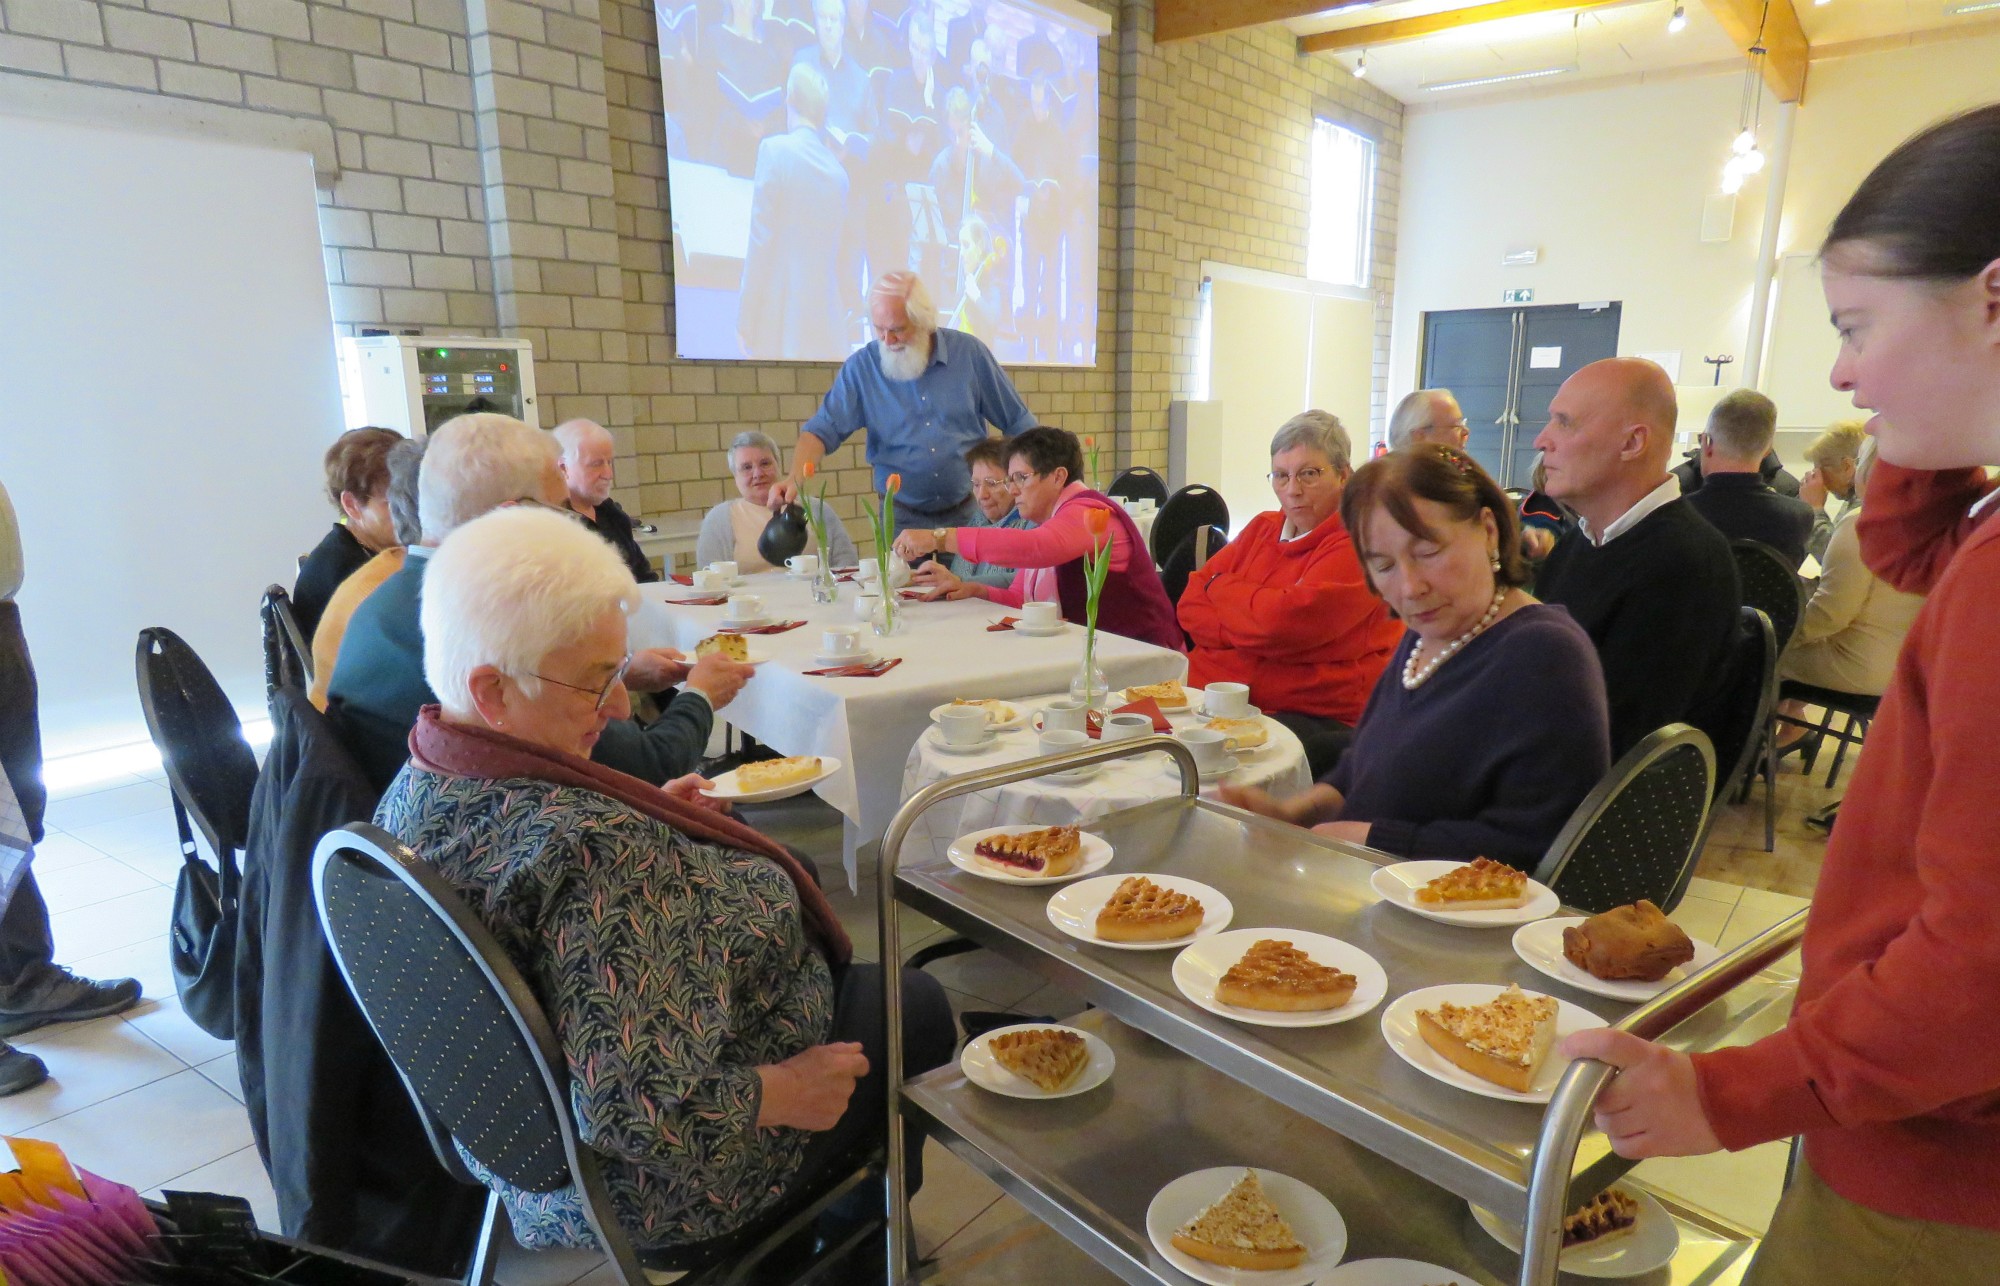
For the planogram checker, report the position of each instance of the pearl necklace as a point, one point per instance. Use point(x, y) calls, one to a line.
point(1414, 678)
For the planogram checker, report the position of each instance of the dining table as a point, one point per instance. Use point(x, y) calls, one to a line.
point(869, 724)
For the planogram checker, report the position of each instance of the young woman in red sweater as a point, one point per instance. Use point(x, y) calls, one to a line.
point(1890, 1066)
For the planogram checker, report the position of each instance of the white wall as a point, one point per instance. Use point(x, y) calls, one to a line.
point(166, 356)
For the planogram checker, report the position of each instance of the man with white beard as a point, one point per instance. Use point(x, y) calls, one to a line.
point(925, 394)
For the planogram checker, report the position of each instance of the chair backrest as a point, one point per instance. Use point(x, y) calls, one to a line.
point(287, 655)
point(1739, 711)
point(1138, 483)
point(1188, 557)
point(1192, 506)
point(1771, 585)
point(209, 765)
point(1638, 833)
point(494, 1075)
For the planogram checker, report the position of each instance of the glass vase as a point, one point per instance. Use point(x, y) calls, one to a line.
point(888, 618)
point(825, 588)
point(1088, 685)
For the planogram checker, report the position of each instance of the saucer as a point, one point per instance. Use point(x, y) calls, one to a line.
point(824, 659)
point(1229, 765)
point(987, 742)
point(746, 622)
point(1021, 627)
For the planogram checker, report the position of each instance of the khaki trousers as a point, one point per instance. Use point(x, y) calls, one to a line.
point(1820, 1238)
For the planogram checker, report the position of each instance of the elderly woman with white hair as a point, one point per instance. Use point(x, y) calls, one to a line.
point(1286, 608)
point(1836, 460)
point(721, 1044)
point(730, 530)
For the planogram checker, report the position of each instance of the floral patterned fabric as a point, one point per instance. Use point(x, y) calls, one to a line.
point(671, 970)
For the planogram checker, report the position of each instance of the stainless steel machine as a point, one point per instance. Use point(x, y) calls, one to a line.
point(413, 383)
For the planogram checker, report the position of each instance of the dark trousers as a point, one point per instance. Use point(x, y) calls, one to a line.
point(25, 946)
point(1325, 739)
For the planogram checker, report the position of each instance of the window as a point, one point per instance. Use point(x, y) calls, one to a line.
point(1343, 205)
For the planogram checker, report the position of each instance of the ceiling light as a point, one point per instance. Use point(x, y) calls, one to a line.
point(1439, 86)
point(1678, 23)
point(1361, 67)
point(1971, 6)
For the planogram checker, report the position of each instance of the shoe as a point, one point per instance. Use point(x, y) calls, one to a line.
point(60, 996)
point(19, 1070)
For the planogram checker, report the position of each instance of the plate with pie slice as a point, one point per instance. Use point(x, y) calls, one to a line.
point(1139, 912)
point(1029, 854)
point(1480, 894)
point(1541, 945)
point(999, 714)
point(1037, 1060)
point(1503, 1030)
point(773, 779)
point(1280, 977)
point(1244, 1224)
point(1639, 1235)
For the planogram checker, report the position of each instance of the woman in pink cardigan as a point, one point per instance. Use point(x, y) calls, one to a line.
point(1043, 468)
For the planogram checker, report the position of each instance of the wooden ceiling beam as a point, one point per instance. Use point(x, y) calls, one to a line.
point(1388, 33)
point(1785, 50)
point(1187, 19)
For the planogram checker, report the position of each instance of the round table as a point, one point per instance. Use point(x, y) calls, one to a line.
point(1279, 767)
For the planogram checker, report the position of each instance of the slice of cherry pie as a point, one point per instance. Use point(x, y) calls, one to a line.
point(1054, 850)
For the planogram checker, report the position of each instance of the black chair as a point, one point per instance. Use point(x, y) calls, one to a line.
point(1771, 585)
point(1138, 483)
point(1741, 717)
point(1191, 507)
point(1201, 545)
point(1639, 831)
point(287, 655)
point(493, 1080)
point(1859, 712)
point(211, 772)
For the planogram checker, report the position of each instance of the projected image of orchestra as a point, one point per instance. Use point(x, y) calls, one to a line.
point(814, 145)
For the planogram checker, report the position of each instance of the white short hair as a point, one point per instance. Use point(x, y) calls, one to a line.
point(908, 287)
point(476, 463)
point(509, 588)
point(1411, 414)
point(570, 436)
point(1320, 430)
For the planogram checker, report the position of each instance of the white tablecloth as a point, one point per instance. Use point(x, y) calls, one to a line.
point(870, 724)
point(1280, 767)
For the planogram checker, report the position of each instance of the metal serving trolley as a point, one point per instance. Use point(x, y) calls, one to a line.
point(1397, 1152)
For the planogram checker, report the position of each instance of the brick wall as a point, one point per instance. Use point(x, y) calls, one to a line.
point(503, 167)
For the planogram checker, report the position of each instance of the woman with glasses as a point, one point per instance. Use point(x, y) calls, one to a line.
point(1285, 608)
point(995, 499)
point(723, 1050)
point(730, 530)
point(1044, 472)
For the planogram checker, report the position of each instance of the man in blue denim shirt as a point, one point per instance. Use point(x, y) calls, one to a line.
point(925, 395)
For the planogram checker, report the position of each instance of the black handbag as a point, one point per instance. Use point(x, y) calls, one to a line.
point(203, 937)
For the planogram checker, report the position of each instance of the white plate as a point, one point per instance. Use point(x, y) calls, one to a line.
point(1014, 717)
point(825, 660)
point(1096, 856)
point(1652, 1242)
point(1229, 764)
point(935, 737)
point(1199, 720)
point(1541, 945)
point(1313, 1220)
point(1398, 884)
point(1124, 697)
point(985, 1071)
point(1074, 909)
point(1399, 1028)
point(745, 622)
point(1200, 967)
point(1392, 1272)
point(726, 788)
point(1022, 627)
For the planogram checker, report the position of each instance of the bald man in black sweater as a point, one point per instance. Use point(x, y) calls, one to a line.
point(1647, 577)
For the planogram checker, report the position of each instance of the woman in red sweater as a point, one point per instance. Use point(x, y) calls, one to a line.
point(1284, 607)
point(1890, 1066)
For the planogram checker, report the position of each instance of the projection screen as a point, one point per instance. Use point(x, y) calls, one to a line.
point(813, 145)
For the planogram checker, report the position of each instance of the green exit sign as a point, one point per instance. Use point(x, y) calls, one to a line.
point(1517, 296)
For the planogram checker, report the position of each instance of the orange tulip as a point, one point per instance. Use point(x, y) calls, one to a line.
point(895, 483)
point(1098, 520)
point(1090, 439)
point(809, 468)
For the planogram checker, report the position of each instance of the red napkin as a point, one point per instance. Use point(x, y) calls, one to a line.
point(1004, 623)
point(679, 579)
point(777, 627)
point(1146, 707)
point(875, 671)
point(716, 601)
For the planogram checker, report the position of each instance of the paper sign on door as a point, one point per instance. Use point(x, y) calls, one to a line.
point(1545, 358)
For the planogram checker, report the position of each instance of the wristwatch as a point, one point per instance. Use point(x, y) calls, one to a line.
point(938, 534)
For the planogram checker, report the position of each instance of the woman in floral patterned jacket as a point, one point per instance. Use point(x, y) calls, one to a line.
point(719, 1042)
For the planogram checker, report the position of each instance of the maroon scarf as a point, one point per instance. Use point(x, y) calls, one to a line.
point(459, 750)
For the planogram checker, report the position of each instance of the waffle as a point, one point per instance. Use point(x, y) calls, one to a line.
point(1480, 885)
point(1242, 1230)
point(1277, 975)
point(1505, 1041)
point(1609, 1213)
point(769, 774)
point(733, 646)
point(1168, 696)
point(1243, 734)
point(1051, 851)
point(1142, 911)
point(1048, 1057)
point(997, 712)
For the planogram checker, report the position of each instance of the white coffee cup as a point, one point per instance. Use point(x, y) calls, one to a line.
point(1208, 747)
point(1073, 715)
point(725, 568)
point(803, 565)
point(1119, 727)
point(964, 725)
point(871, 570)
point(1144, 505)
point(745, 607)
point(1041, 616)
point(705, 578)
point(1226, 700)
point(839, 640)
point(866, 605)
point(1060, 741)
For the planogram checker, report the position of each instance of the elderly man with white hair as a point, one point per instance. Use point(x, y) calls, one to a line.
point(1428, 415)
point(588, 452)
point(475, 464)
point(725, 1048)
point(925, 394)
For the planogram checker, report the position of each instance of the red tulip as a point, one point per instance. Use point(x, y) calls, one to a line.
point(1097, 520)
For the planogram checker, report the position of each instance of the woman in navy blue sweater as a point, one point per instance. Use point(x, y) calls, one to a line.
point(1490, 725)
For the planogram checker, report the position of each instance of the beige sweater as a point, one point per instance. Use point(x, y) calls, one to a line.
point(1854, 625)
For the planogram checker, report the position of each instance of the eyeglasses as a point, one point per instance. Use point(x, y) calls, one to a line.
point(991, 484)
point(1307, 477)
point(1018, 480)
point(602, 694)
